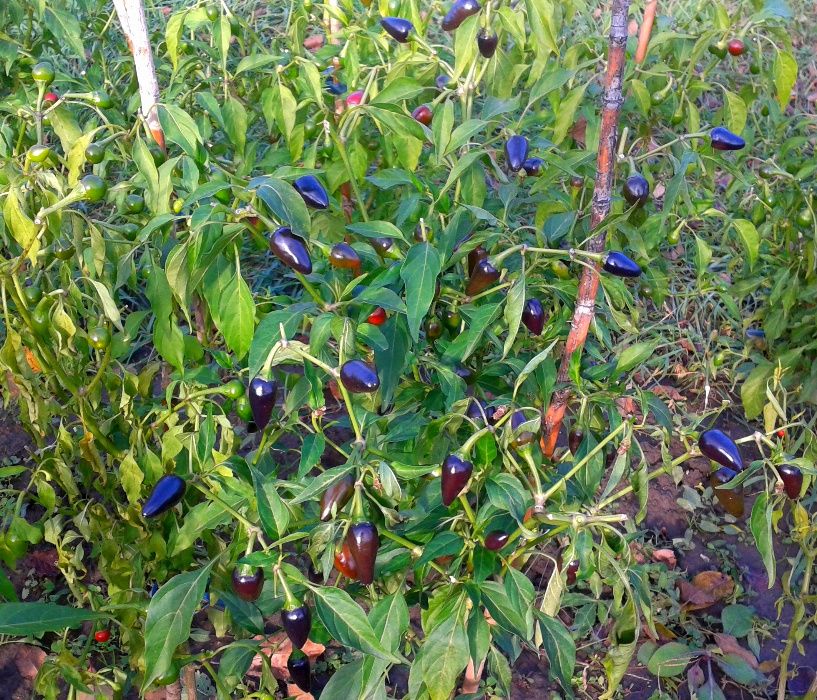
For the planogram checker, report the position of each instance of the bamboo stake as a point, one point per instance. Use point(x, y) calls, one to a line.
point(131, 15)
point(605, 173)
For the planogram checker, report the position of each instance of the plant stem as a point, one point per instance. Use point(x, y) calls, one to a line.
point(580, 464)
point(469, 513)
point(794, 631)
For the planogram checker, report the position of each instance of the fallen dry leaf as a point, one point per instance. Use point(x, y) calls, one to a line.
point(729, 645)
point(669, 392)
point(26, 658)
point(716, 582)
point(665, 556)
point(705, 589)
point(313, 42)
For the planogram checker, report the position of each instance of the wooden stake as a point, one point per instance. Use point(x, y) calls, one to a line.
point(131, 15)
point(645, 31)
point(605, 174)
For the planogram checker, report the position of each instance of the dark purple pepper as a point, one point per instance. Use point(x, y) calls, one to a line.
point(520, 439)
point(459, 12)
point(483, 276)
point(433, 328)
point(533, 316)
point(291, 250)
point(363, 542)
point(344, 257)
point(636, 190)
point(730, 499)
point(516, 151)
point(299, 671)
point(247, 586)
point(262, 394)
point(720, 448)
point(792, 479)
point(495, 541)
point(574, 440)
point(487, 42)
point(358, 377)
point(398, 28)
point(336, 496)
point(477, 254)
point(571, 571)
point(455, 475)
point(297, 623)
point(478, 411)
point(335, 88)
point(442, 82)
point(167, 492)
point(533, 166)
point(618, 264)
point(724, 140)
point(312, 191)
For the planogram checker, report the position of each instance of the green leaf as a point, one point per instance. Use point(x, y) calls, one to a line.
point(443, 544)
point(566, 112)
point(703, 256)
point(376, 229)
point(272, 510)
point(670, 660)
point(108, 304)
point(23, 619)
point(735, 110)
point(202, 517)
point(23, 229)
point(131, 478)
point(268, 333)
point(283, 202)
point(463, 133)
point(419, 272)
point(502, 608)
point(441, 659)
point(750, 238)
point(753, 389)
point(398, 90)
point(737, 619)
point(169, 615)
point(560, 649)
point(760, 523)
point(391, 362)
point(66, 29)
point(180, 128)
point(235, 661)
point(785, 76)
point(173, 34)
point(345, 622)
point(235, 122)
point(468, 341)
point(541, 16)
point(396, 121)
point(326, 479)
point(465, 46)
point(514, 305)
point(236, 314)
point(634, 356)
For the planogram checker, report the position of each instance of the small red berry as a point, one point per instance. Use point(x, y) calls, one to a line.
point(354, 98)
point(102, 636)
point(377, 317)
point(423, 114)
point(781, 433)
point(51, 97)
point(736, 47)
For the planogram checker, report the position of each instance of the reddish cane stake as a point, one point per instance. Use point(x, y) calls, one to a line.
point(605, 172)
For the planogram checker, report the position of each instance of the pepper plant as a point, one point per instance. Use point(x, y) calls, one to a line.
point(285, 352)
